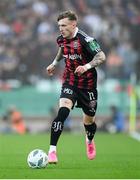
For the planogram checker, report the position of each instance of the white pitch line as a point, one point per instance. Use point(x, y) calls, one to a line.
point(135, 135)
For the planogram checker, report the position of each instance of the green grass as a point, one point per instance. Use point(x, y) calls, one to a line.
point(118, 156)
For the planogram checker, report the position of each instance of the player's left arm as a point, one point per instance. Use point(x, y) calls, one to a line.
point(93, 49)
point(98, 59)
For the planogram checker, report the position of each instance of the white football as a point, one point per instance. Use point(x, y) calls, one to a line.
point(37, 159)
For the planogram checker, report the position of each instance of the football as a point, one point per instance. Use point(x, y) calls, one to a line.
point(37, 159)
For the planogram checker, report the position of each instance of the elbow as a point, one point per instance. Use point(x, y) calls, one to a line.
point(103, 56)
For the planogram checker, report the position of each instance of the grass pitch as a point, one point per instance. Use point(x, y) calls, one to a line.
point(118, 156)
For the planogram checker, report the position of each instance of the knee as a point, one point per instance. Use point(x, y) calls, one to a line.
point(65, 102)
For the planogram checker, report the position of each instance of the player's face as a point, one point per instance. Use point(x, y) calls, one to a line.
point(67, 27)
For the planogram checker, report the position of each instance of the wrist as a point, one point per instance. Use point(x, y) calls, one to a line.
point(88, 66)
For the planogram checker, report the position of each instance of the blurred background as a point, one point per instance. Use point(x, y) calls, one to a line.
point(28, 32)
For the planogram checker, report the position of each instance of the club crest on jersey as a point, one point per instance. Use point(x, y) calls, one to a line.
point(75, 45)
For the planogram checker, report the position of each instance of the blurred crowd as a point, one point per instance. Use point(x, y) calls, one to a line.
point(28, 32)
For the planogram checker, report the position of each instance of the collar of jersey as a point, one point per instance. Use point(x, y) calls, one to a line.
point(75, 33)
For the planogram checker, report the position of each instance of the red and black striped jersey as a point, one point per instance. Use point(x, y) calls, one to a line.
point(77, 51)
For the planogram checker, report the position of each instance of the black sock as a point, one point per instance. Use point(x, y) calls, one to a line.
point(90, 130)
point(57, 125)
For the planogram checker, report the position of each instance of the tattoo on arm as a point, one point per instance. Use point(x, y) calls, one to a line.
point(98, 59)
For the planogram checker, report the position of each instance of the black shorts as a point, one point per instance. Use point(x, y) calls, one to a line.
point(85, 99)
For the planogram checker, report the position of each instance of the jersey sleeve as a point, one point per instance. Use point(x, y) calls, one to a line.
point(91, 45)
point(59, 41)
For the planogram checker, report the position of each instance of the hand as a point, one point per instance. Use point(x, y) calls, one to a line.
point(50, 69)
point(80, 70)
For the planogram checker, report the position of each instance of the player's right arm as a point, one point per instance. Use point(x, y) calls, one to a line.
point(51, 68)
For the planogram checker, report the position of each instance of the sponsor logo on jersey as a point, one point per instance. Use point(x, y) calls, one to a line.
point(73, 56)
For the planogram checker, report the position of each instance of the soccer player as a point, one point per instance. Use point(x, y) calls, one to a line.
point(82, 54)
